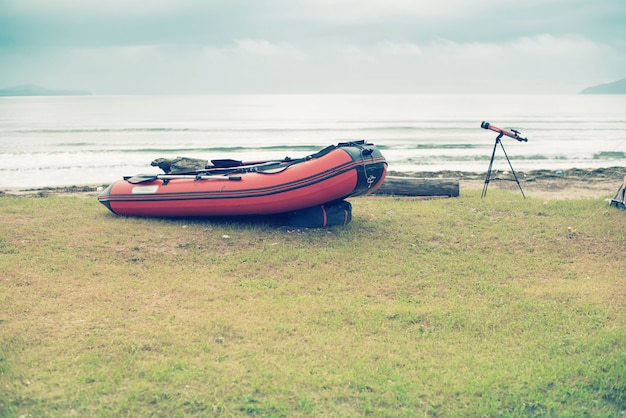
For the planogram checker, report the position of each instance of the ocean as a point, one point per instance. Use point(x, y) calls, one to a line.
point(75, 140)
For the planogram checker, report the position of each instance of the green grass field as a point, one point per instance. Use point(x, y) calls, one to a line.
point(448, 307)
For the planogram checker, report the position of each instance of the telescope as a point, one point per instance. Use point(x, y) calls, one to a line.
point(501, 132)
point(511, 134)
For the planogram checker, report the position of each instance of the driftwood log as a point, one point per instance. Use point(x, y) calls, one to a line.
point(412, 186)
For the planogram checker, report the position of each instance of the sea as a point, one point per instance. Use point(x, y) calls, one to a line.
point(78, 140)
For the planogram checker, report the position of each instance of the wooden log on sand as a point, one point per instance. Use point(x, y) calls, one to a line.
point(412, 186)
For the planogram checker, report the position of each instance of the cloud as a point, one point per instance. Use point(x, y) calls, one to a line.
point(263, 47)
point(312, 45)
point(529, 64)
point(539, 47)
point(557, 46)
point(70, 9)
point(399, 48)
point(377, 10)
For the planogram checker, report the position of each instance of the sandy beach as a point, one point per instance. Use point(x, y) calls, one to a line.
point(545, 184)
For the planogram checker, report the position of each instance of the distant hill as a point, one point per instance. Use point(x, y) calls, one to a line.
point(616, 87)
point(32, 90)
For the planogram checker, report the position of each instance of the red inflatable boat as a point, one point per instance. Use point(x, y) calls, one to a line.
point(235, 188)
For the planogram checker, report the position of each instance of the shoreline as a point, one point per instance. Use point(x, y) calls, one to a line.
point(560, 184)
point(571, 183)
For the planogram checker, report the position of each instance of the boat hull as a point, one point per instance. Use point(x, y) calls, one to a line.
point(337, 172)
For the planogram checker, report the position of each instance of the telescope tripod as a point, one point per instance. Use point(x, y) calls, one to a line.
point(489, 178)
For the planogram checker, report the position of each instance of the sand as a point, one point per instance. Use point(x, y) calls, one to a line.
point(545, 184)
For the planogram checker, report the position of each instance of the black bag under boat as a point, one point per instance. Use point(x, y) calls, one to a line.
point(338, 213)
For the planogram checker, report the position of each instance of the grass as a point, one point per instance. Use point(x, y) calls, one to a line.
point(453, 307)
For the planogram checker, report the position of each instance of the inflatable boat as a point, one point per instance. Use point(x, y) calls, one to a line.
point(232, 188)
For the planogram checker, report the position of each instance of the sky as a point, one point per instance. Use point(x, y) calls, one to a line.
point(313, 46)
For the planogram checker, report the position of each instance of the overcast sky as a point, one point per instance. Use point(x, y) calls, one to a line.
point(313, 46)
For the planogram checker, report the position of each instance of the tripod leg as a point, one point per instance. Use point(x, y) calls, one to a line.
point(488, 178)
point(512, 170)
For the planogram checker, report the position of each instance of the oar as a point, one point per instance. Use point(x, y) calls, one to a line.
point(228, 163)
point(142, 178)
point(208, 174)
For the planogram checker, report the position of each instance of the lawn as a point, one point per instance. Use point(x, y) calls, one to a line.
point(446, 307)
